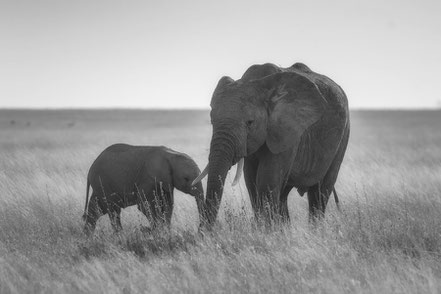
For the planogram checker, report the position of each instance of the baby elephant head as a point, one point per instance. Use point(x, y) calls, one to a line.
point(184, 171)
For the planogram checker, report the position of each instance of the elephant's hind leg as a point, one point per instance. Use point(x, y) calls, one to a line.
point(318, 195)
point(94, 212)
point(332, 173)
point(115, 218)
point(284, 212)
point(317, 199)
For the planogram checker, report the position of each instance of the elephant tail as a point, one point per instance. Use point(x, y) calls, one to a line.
point(87, 200)
point(337, 202)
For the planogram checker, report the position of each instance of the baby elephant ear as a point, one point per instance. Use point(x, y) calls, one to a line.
point(296, 104)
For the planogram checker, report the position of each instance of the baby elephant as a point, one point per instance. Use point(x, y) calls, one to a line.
point(125, 175)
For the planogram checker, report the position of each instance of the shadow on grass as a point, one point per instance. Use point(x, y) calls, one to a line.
point(159, 243)
point(141, 244)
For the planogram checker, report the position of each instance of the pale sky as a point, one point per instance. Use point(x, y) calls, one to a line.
point(170, 54)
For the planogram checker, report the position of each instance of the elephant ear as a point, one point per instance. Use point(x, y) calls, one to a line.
point(224, 82)
point(295, 104)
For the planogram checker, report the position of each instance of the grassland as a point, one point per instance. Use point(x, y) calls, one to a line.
point(387, 240)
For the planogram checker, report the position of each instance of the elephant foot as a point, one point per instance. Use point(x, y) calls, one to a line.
point(270, 222)
point(316, 219)
point(89, 225)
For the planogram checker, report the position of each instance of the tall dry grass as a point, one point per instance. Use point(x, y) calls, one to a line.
point(387, 240)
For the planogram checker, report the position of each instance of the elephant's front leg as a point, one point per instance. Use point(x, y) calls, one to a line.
point(250, 174)
point(160, 208)
point(163, 205)
point(145, 194)
point(167, 208)
point(269, 186)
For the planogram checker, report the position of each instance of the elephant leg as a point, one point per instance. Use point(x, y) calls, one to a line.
point(115, 218)
point(168, 208)
point(250, 173)
point(317, 199)
point(156, 204)
point(162, 211)
point(146, 207)
point(270, 196)
point(284, 203)
point(332, 173)
point(318, 194)
point(145, 194)
point(157, 207)
point(94, 212)
point(118, 220)
point(154, 207)
point(269, 188)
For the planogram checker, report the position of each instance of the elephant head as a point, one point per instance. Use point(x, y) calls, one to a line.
point(184, 170)
point(246, 114)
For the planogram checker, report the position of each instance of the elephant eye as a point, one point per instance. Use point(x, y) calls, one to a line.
point(250, 122)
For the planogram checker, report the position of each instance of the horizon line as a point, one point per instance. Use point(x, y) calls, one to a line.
point(434, 108)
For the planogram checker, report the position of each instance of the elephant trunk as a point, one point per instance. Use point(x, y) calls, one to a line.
point(199, 196)
point(222, 156)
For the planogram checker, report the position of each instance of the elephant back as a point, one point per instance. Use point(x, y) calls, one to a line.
point(259, 71)
point(330, 90)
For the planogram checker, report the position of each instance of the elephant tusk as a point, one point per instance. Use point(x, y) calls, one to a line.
point(238, 171)
point(201, 176)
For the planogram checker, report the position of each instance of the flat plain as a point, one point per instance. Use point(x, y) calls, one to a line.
point(387, 239)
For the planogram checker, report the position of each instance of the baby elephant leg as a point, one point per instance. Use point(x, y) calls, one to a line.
point(94, 212)
point(167, 208)
point(144, 203)
point(115, 218)
point(160, 210)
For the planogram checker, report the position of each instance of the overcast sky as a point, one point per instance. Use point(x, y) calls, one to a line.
point(170, 54)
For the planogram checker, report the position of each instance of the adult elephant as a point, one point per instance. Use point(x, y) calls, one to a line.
point(288, 127)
